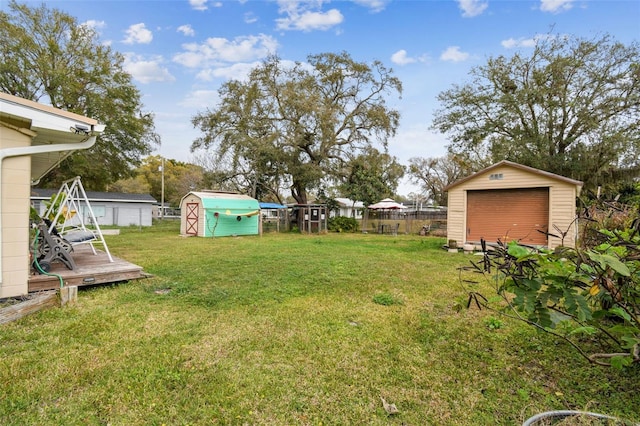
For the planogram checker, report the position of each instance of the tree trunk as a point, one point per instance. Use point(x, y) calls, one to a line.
point(299, 193)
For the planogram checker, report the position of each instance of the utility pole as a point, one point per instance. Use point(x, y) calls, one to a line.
point(162, 188)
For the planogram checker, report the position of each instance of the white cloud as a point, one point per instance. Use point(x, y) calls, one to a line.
point(555, 6)
point(306, 16)
point(401, 58)
point(96, 25)
point(200, 99)
point(199, 4)
point(250, 18)
point(239, 71)
point(471, 8)
point(309, 21)
point(513, 43)
point(147, 70)
point(454, 54)
point(138, 34)
point(186, 30)
point(374, 5)
point(217, 51)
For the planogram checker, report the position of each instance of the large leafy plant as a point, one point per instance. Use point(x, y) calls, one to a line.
point(588, 296)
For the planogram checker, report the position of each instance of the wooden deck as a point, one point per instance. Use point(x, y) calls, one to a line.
point(90, 270)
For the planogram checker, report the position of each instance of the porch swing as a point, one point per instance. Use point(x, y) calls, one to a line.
point(69, 211)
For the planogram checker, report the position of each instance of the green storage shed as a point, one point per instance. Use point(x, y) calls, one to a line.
point(219, 214)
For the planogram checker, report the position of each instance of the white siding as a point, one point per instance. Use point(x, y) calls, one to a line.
point(562, 213)
point(15, 191)
point(127, 214)
point(456, 217)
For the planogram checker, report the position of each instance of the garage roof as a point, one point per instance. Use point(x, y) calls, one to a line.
point(516, 166)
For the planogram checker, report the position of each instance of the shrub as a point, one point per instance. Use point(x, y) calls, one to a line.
point(342, 224)
point(588, 296)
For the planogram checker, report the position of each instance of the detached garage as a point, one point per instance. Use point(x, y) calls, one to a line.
point(218, 214)
point(509, 201)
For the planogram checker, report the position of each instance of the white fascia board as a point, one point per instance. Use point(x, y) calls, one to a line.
point(44, 117)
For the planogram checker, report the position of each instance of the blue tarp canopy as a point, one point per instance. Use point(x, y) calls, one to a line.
point(272, 206)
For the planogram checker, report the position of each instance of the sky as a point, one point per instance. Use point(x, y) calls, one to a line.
point(180, 52)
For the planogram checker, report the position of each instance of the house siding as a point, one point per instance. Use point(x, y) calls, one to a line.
point(562, 198)
point(16, 176)
point(456, 222)
point(562, 213)
point(107, 212)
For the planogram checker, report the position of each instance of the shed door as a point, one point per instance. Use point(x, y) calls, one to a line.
point(508, 214)
point(192, 219)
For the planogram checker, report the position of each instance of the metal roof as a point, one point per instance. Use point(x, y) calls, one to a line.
point(45, 194)
point(271, 206)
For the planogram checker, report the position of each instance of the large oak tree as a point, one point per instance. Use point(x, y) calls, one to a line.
point(47, 56)
point(301, 122)
point(571, 107)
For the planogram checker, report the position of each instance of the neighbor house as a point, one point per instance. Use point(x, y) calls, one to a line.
point(348, 208)
point(109, 208)
point(508, 201)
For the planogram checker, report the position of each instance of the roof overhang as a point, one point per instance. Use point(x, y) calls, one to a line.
point(507, 163)
point(46, 125)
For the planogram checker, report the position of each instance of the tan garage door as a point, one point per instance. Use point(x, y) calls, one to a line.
point(508, 214)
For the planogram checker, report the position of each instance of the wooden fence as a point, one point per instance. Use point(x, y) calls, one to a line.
point(402, 222)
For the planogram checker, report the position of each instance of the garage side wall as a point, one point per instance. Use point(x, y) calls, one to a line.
point(562, 198)
point(456, 215)
point(15, 192)
point(562, 213)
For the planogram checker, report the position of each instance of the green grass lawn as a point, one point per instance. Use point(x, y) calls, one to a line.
point(289, 329)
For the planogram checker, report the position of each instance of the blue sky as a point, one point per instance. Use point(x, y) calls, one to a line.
point(180, 51)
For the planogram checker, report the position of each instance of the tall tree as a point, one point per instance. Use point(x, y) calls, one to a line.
point(371, 177)
point(258, 176)
point(48, 56)
point(433, 174)
point(179, 179)
point(301, 122)
point(572, 107)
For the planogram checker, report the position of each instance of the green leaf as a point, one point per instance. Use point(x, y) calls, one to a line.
point(613, 262)
point(531, 284)
point(619, 312)
point(518, 251)
point(588, 330)
point(630, 342)
point(542, 316)
point(621, 361)
point(525, 300)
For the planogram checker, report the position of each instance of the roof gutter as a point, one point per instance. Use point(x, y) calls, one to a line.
point(39, 149)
